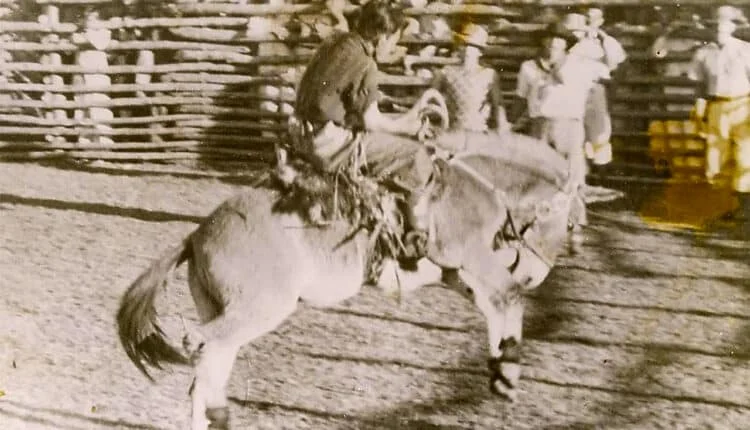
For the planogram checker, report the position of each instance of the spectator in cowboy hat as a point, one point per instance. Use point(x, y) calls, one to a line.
point(574, 23)
point(553, 88)
point(594, 44)
point(605, 47)
point(728, 14)
point(722, 110)
point(472, 91)
point(473, 97)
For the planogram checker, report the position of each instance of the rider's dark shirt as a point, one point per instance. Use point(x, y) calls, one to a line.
point(339, 83)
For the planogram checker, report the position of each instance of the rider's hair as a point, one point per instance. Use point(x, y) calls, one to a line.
point(378, 17)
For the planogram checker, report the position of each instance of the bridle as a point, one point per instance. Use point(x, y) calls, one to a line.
point(500, 196)
point(509, 226)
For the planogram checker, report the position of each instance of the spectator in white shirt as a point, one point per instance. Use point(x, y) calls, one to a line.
point(554, 88)
point(595, 44)
point(723, 107)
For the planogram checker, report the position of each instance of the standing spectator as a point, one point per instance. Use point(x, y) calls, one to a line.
point(554, 88)
point(595, 44)
point(472, 94)
point(722, 109)
point(472, 91)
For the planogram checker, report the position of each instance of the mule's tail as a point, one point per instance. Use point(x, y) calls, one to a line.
point(140, 335)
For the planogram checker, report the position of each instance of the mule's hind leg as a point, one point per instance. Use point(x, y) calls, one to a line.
point(207, 306)
point(226, 334)
point(212, 366)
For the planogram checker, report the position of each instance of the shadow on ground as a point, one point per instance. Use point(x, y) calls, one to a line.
point(470, 389)
point(99, 209)
point(653, 207)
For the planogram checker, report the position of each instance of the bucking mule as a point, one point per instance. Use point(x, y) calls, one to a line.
point(496, 225)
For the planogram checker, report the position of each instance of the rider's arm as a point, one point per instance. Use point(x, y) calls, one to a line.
point(374, 120)
point(361, 101)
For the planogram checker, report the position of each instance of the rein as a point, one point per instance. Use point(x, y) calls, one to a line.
point(502, 200)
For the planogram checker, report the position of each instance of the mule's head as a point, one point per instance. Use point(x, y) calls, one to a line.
point(533, 237)
point(460, 213)
point(523, 219)
point(501, 243)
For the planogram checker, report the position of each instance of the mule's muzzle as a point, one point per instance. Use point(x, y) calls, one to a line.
point(505, 370)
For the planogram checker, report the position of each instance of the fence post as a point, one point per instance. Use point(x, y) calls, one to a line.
point(261, 27)
point(97, 38)
point(51, 18)
point(121, 59)
point(146, 59)
point(5, 57)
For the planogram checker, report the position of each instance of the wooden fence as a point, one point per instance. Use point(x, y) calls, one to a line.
point(214, 81)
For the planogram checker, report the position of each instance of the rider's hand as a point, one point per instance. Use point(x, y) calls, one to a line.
point(426, 131)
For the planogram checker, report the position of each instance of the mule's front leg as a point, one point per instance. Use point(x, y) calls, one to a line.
point(501, 304)
point(504, 330)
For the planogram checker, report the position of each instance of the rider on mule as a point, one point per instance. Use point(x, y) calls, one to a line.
point(337, 117)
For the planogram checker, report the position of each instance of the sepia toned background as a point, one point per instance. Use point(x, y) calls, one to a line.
point(141, 117)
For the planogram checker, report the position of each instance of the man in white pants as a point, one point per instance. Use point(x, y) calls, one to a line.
point(595, 44)
point(554, 87)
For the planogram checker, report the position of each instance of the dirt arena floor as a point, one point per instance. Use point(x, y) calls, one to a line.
point(644, 329)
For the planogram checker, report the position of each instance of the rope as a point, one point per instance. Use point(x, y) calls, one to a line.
point(502, 200)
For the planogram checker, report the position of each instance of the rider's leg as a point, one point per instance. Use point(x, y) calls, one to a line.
point(406, 163)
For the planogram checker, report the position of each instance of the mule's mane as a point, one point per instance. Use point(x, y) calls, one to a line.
point(520, 180)
point(521, 163)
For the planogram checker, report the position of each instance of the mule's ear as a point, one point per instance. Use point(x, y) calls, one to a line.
point(440, 167)
point(439, 171)
point(437, 179)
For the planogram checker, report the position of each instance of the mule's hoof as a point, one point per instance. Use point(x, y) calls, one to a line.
point(219, 418)
point(499, 388)
point(505, 372)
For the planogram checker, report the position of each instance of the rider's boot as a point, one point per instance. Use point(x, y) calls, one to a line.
point(315, 214)
point(415, 233)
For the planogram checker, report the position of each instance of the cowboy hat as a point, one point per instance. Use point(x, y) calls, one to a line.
point(473, 35)
point(574, 22)
point(555, 30)
point(595, 17)
point(725, 14)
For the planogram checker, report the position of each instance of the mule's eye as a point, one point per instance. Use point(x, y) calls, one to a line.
point(508, 233)
point(543, 209)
